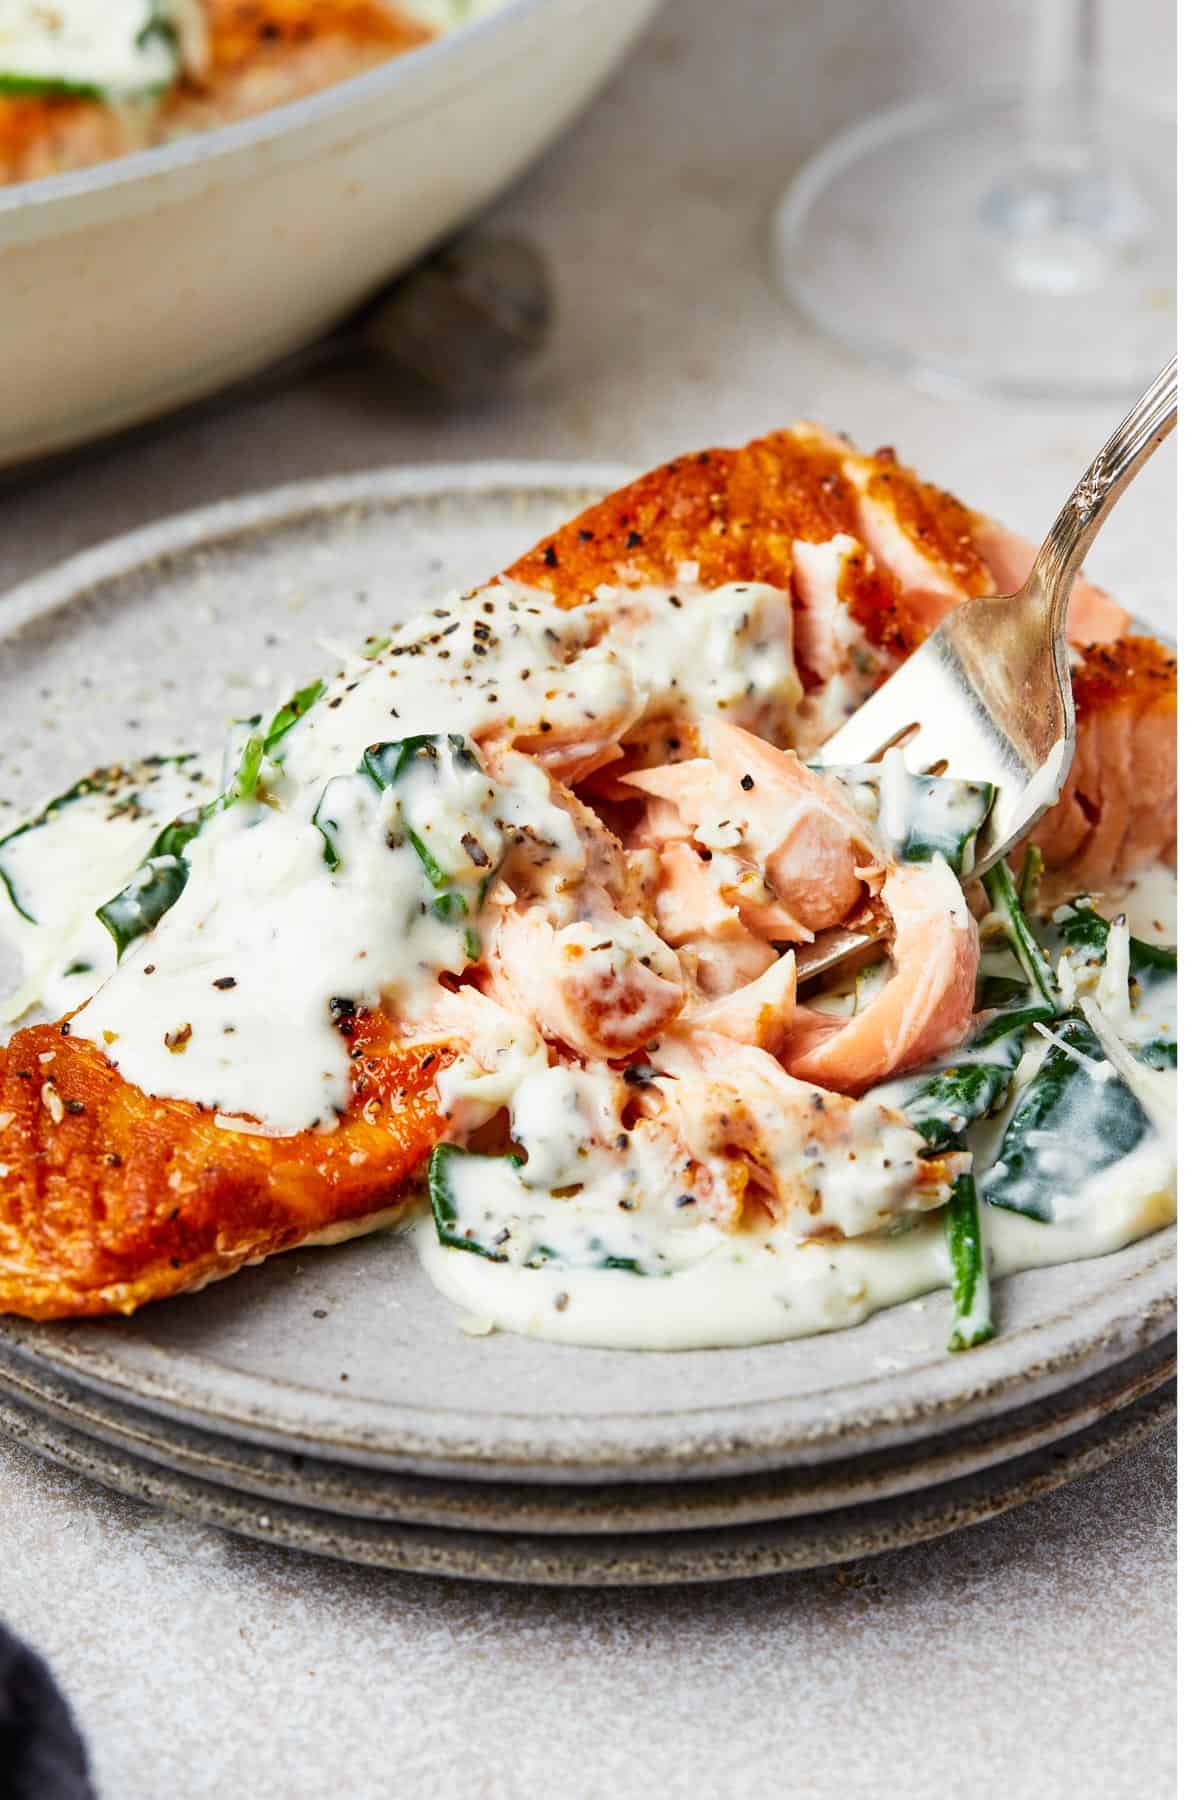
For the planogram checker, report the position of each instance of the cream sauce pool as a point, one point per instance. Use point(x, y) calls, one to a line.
point(747, 1290)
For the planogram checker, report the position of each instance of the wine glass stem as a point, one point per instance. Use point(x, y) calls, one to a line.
point(1064, 60)
point(1065, 215)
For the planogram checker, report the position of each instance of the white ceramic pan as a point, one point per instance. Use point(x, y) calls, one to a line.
point(135, 286)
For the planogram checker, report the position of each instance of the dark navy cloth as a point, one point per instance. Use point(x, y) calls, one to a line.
point(41, 1753)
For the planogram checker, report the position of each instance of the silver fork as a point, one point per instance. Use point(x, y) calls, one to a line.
point(987, 697)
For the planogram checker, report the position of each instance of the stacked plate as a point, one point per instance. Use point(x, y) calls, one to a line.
point(330, 1399)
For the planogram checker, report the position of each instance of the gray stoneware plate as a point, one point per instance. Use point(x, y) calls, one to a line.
point(590, 1559)
point(150, 643)
point(396, 1497)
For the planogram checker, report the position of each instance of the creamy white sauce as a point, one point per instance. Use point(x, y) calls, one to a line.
point(260, 895)
point(234, 1000)
point(634, 1190)
point(748, 1291)
point(1149, 901)
point(121, 48)
point(63, 869)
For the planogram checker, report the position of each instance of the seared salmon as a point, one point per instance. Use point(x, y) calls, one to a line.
point(1118, 810)
point(924, 1009)
point(110, 1197)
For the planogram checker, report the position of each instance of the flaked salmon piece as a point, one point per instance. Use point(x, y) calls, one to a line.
point(924, 1008)
point(658, 822)
point(759, 1013)
point(721, 901)
point(111, 1197)
point(488, 1042)
point(688, 902)
point(262, 53)
point(850, 630)
point(1118, 809)
point(719, 916)
point(845, 602)
point(804, 843)
point(939, 553)
point(718, 951)
point(732, 1104)
point(577, 754)
point(749, 798)
point(564, 941)
point(716, 966)
point(585, 864)
point(604, 986)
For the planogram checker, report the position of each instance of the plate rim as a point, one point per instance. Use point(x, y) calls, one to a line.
point(1065, 1347)
point(621, 1508)
point(659, 1559)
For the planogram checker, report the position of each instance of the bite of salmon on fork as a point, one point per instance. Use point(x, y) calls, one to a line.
point(988, 694)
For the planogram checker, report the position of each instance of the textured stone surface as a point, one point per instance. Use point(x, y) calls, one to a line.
point(1031, 1656)
point(1009, 1659)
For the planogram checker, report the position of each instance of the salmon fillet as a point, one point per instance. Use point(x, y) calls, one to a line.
point(110, 1197)
point(1118, 810)
point(263, 53)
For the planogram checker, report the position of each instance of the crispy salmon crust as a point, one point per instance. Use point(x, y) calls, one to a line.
point(110, 1197)
point(735, 514)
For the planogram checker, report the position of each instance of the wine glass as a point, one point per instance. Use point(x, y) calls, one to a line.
point(1014, 242)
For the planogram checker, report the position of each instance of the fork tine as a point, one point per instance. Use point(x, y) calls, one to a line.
point(889, 712)
point(880, 723)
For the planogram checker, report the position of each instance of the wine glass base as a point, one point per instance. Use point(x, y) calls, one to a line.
point(921, 239)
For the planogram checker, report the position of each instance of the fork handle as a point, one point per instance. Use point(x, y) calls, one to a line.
point(1097, 491)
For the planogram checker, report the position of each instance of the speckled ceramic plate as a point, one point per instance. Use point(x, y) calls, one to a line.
point(149, 644)
point(603, 1560)
point(324, 1485)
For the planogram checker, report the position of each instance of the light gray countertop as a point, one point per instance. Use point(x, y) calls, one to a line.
point(1027, 1657)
